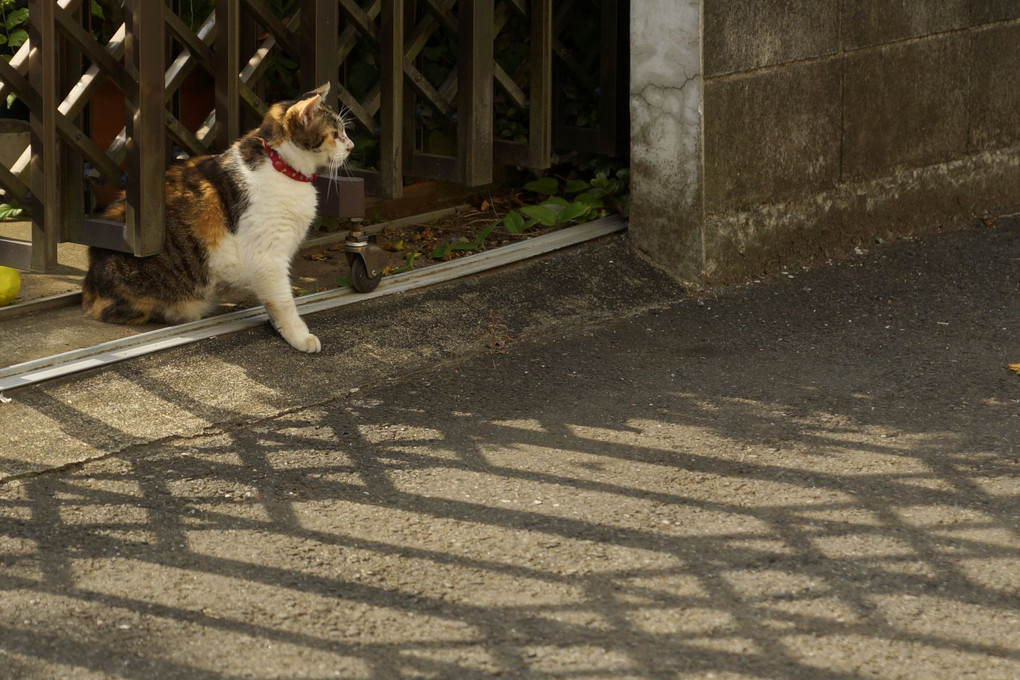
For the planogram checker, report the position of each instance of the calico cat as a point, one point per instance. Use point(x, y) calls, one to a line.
point(235, 219)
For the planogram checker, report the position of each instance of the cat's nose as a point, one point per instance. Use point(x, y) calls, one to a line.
point(349, 144)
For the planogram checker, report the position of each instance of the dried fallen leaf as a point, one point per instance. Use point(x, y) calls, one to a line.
point(1015, 368)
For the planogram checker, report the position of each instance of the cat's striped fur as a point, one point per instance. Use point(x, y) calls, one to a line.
point(231, 220)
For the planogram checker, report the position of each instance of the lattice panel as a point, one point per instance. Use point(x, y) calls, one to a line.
point(253, 36)
point(71, 90)
point(442, 87)
point(65, 65)
point(401, 65)
point(61, 82)
point(511, 49)
point(358, 50)
point(101, 63)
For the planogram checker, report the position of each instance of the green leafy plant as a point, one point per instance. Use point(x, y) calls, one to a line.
point(569, 201)
point(107, 16)
point(193, 12)
point(409, 259)
point(444, 250)
point(14, 21)
point(10, 211)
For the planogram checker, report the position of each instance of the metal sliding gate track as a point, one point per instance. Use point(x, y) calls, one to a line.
point(39, 370)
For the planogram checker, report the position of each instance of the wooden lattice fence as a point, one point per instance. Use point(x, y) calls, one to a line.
point(501, 92)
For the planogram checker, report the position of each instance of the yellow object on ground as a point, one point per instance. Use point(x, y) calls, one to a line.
point(10, 285)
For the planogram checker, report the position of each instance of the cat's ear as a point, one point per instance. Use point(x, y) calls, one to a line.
point(305, 108)
point(315, 98)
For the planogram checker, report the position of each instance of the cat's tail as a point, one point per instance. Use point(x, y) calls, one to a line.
point(133, 309)
point(111, 303)
point(117, 309)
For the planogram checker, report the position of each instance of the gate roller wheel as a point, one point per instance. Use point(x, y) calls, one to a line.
point(361, 280)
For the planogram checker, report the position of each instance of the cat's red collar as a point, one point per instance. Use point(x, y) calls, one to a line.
point(283, 166)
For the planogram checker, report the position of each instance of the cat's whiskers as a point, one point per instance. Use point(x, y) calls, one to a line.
point(336, 164)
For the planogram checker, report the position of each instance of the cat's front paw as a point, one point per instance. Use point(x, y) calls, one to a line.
point(306, 343)
point(298, 336)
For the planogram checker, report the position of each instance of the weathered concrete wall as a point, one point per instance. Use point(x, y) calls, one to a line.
point(666, 135)
point(824, 124)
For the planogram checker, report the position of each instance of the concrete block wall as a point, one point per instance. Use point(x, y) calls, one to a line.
point(792, 130)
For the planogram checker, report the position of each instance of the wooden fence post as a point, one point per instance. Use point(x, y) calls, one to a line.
point(540, 133)
point(70, 161)
point(320, 45)
point(474, 91)
point(228, 66)
point(146, 112)
point(42, 72)
point(391, 74)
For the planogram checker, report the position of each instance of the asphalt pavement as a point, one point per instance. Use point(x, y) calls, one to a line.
point(570, 467)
